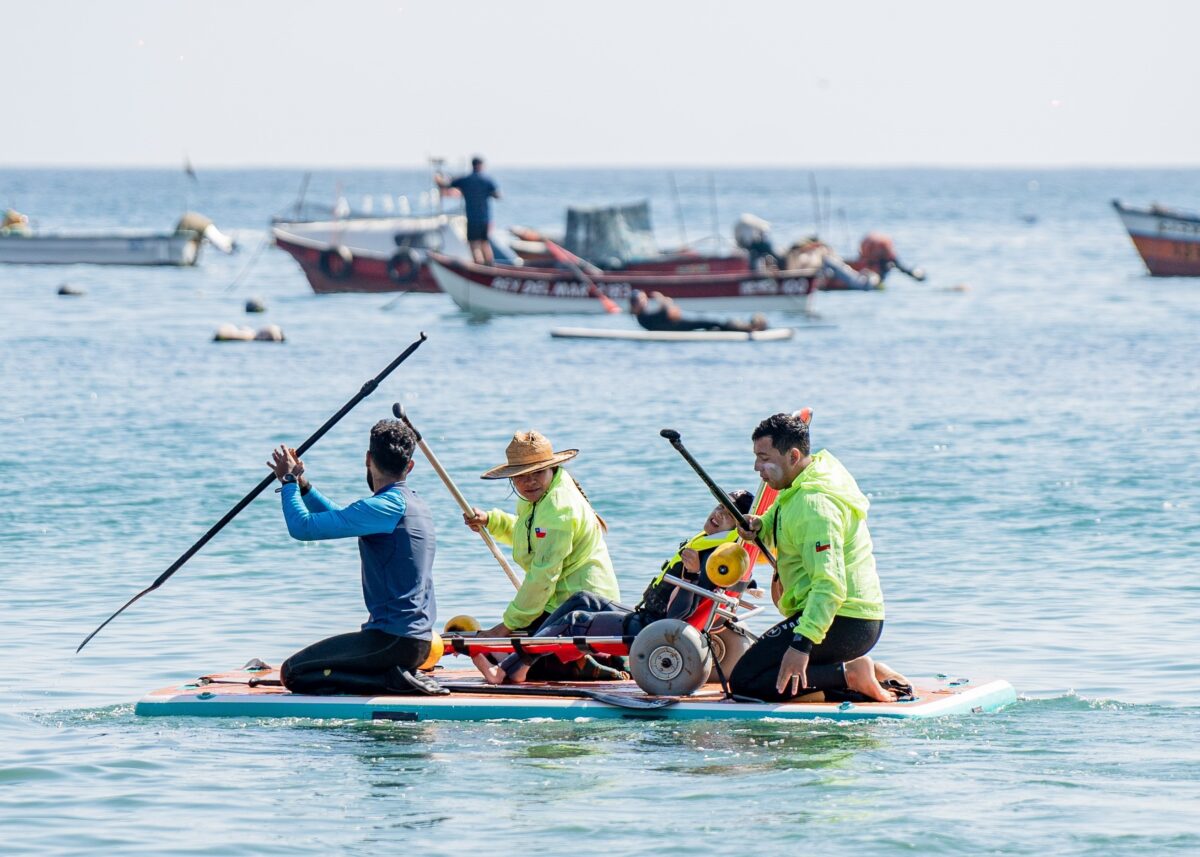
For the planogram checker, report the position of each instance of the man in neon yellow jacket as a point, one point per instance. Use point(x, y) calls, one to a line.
point(826, 586)
point(556, 536)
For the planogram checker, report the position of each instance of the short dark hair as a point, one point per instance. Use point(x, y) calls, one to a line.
point(392, 444)
point(476, 162)
point(785, 431)
point(742, 499)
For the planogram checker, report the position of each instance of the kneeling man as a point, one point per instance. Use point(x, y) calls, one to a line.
point(396, 546)
point(826, 583)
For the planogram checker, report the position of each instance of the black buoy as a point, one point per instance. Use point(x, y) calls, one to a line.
point(255, 305)
point(71, 291)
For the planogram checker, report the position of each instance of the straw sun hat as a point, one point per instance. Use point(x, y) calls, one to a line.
point(527, 452)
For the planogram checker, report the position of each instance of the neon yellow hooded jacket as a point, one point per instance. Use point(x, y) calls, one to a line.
point(818, 527)
point(560, 544)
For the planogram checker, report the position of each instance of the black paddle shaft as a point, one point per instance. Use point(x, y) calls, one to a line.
point(673, 437)
point(367, 389)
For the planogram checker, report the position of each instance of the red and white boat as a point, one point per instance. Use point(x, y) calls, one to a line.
point(369, 254)
point(377, 254)
point(514, 289)
point(1168, 240)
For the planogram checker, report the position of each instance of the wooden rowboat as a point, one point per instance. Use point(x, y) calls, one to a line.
point(1168, 240)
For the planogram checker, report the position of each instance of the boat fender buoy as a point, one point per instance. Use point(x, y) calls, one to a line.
point(404, 267)
point(337, 262)
point(437, 648)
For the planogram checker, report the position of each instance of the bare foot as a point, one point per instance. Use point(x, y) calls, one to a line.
point(860, 677)
point(492, 673)
point(883, 672)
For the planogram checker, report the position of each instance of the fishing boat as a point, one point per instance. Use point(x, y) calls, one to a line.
point(1168, 240)
point(621, 238)
point(376, 254)
point(258, 694)
point(516, 289)
point(20, 245)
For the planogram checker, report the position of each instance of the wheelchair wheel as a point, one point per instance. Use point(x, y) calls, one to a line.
point(670, 658)
point(728, 646)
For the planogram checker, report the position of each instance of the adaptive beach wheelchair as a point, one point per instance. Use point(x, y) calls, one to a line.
point(668, 657)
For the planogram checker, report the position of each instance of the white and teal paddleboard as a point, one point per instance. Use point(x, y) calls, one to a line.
point(239, 694)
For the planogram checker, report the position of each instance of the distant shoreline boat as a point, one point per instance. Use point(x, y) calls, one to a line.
point(21, 246)
point(1168, 240)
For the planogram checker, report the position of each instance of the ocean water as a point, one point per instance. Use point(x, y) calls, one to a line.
point(1025, 424)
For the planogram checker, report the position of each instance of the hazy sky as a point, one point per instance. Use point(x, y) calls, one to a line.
point(365, 83)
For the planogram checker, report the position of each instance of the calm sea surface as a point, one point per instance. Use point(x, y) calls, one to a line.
point(1025, 424)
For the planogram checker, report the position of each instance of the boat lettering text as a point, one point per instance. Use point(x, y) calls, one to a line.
point(765, 286)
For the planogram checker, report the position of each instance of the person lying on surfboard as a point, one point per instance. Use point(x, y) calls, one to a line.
point(826, 587)
point(586, 614)
point(659, 312)
point(396, 545)
point(556, 537)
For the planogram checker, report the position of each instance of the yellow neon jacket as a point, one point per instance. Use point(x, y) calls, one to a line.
point(818, 528)
point(560, 544)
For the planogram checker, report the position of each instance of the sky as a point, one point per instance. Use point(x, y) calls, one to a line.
point(749, 83)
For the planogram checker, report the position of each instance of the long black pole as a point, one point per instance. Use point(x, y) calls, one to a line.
point(367, 389)
point(722, 498)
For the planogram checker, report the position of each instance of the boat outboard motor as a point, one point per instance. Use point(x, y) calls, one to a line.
point(753, 234)
point(201, 225)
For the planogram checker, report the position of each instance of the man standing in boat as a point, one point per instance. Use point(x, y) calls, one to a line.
point(396, 545)
point(826, 584)
point(478, 190)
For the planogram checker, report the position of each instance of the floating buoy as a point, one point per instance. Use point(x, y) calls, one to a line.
point(233, 333)
point(255, 305)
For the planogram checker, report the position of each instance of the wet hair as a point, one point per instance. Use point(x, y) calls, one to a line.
point(743, 500)
point(392, 444)
point(785, 431)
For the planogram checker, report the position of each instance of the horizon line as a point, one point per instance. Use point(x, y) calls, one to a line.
point(603, 166)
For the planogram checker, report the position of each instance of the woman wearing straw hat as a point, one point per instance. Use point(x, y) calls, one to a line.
point(556, 536)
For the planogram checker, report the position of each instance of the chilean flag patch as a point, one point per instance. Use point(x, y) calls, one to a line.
point(541, 534)
point(822, 547)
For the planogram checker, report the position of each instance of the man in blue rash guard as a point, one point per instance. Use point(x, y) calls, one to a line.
point(396, 545)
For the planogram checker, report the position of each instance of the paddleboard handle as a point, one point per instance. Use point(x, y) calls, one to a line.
point(670, 434)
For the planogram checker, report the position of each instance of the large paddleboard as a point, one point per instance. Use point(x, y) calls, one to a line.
point(232, 694)
point(770, 335)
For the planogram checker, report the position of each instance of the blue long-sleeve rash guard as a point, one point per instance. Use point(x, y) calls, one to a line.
point(311, 517)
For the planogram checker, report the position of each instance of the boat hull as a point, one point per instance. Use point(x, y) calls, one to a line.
point(368, 272)
point(230, 695)
point(1168, 241)
point(494, 290)
point(101, 249)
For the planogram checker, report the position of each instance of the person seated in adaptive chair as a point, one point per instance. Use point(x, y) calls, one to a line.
point(586, 614)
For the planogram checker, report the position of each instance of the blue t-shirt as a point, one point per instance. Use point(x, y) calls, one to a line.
point(477, 190)
point(395, 543)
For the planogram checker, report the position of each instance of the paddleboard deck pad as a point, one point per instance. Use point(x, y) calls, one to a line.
point(257, 694)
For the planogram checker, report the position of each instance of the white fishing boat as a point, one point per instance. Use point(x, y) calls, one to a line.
point(20, 245)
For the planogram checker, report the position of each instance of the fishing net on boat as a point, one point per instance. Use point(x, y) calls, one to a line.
point(610, 236)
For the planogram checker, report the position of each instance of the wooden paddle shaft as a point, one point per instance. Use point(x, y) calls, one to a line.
point(467, 509)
